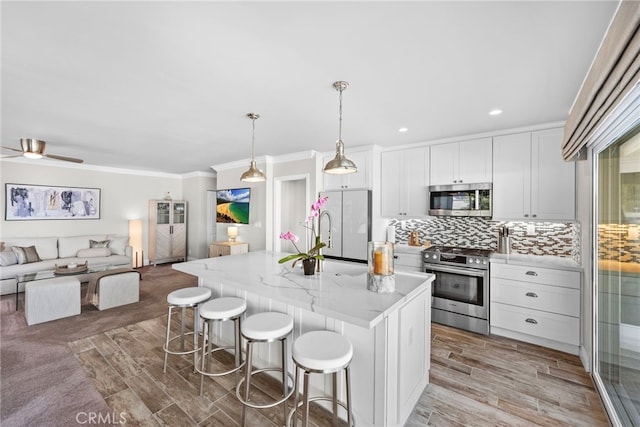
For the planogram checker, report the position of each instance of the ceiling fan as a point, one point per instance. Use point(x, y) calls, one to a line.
point(34, 149)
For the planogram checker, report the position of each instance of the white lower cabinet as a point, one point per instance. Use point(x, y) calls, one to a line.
point(536, 304)
point(407, 261)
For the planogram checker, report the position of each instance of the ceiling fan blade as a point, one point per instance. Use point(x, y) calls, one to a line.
point(12, 149)
point(66, 159)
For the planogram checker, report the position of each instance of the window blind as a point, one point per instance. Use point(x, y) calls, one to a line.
point(614, 73)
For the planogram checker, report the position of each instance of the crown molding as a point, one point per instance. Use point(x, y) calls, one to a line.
point(91, 168)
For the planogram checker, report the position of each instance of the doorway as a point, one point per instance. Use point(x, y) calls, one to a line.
point(617, 277)
point(291, 201)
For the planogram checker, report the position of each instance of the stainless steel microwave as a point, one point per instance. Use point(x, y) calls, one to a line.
point(460, 200)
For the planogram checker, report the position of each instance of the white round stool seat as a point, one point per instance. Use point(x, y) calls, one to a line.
point(188, 296)
point(322, 351)
point(222, 308)
point(267, 326)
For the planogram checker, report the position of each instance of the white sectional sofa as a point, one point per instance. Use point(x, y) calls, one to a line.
point(96, 250)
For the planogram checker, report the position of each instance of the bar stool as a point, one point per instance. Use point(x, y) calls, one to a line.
point(323, 352)
point(265, 328)
point(220, 309)
point(184, 298)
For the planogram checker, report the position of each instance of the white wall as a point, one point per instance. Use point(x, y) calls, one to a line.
point(254, 232)
point(125, 195)
point(260, 233)
point(195, 187)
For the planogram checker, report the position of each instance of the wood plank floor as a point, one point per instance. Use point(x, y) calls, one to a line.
point(475, 381)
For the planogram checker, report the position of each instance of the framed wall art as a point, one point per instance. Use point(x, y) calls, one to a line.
point(24, 202)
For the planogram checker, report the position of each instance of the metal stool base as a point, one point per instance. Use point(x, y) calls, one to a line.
point(314, 399)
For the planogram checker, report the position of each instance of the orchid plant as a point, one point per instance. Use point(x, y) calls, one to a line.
point(312, 223)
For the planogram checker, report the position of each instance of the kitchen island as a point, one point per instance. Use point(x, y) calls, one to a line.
point(390, 332)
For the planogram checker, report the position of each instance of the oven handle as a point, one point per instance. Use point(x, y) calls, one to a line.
point(465, 271)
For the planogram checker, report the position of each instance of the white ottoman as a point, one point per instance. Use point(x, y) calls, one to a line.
point(118, 289)
point(51, 299)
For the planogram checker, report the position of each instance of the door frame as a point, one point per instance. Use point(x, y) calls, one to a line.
point(277, 205)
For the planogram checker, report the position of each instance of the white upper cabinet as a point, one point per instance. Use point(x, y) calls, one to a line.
point(404, 180)
point(461, 162)
point(360, 179)
point(531, 181)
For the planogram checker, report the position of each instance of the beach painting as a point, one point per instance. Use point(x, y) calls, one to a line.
point(232, 206)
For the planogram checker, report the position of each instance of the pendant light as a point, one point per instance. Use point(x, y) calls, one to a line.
point(253, 174)
point(340, 164)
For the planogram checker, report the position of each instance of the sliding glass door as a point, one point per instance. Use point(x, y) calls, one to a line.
point(617, 277)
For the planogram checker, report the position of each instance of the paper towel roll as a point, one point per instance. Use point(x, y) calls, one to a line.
point(391, 234)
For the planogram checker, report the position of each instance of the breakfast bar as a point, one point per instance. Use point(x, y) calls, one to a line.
point(390, 332)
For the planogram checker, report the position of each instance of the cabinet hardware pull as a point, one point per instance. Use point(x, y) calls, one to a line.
point(532, 294)
point(526, 215)
point(530, 320)
point(531, 273)
point(534, 215)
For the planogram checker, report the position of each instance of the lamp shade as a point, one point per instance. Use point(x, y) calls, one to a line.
point(232, 232)
point(340, 164)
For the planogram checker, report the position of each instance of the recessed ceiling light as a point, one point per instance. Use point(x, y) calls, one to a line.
point(495, 112)
point(403, 129)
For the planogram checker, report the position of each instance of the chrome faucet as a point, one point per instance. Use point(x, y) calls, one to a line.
point(325, 212)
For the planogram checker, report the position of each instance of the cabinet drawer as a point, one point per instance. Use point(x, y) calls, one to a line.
point(542, 275)
point(555, 299)
point(565, 329)
point(414, 261)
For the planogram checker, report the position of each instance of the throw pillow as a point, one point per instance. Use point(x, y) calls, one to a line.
point(118, 244)
point(100, 244)
point(8, 258)
point(25, 255)
point(93, 252)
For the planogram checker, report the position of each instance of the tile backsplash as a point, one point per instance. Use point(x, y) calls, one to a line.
point(531, 238)
point(619, 242)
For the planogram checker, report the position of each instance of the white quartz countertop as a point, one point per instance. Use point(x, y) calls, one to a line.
point(339, 291)
point(536, 260)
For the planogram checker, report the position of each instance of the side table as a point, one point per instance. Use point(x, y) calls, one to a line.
point(227, 248)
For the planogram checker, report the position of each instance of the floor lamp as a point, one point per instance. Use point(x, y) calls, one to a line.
point(135, 241)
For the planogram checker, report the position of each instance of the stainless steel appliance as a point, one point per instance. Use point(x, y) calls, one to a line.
point(460, 293)
point(346, 222)
point(460, 200)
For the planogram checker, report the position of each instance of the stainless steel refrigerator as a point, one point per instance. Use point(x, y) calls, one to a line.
point(349, 218)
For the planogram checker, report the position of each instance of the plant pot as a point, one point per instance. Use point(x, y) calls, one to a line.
point(309, 266)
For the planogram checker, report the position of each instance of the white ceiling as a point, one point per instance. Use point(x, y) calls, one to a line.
point(165, 86)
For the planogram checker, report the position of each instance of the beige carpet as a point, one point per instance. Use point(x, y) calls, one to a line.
point(41, 382)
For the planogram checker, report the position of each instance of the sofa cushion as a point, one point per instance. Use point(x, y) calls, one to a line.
point(118, 244)
point(99, 244)
point(8, 258)
point(93, 252)
point(47, 247)
point(26, 255)
point(69, 246)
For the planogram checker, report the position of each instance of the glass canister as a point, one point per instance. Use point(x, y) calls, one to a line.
point(380, 277)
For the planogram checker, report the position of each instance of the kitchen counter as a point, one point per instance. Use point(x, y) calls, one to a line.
point(333, 292)
point(390, 332)
point(536, 260)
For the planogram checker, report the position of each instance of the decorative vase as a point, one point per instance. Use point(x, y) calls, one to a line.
point(309, 266)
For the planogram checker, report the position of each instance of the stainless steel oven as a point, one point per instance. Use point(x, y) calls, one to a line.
point(460, 293)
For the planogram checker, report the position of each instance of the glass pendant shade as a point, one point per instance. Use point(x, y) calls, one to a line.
point(253, 174)
point(340, 164)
